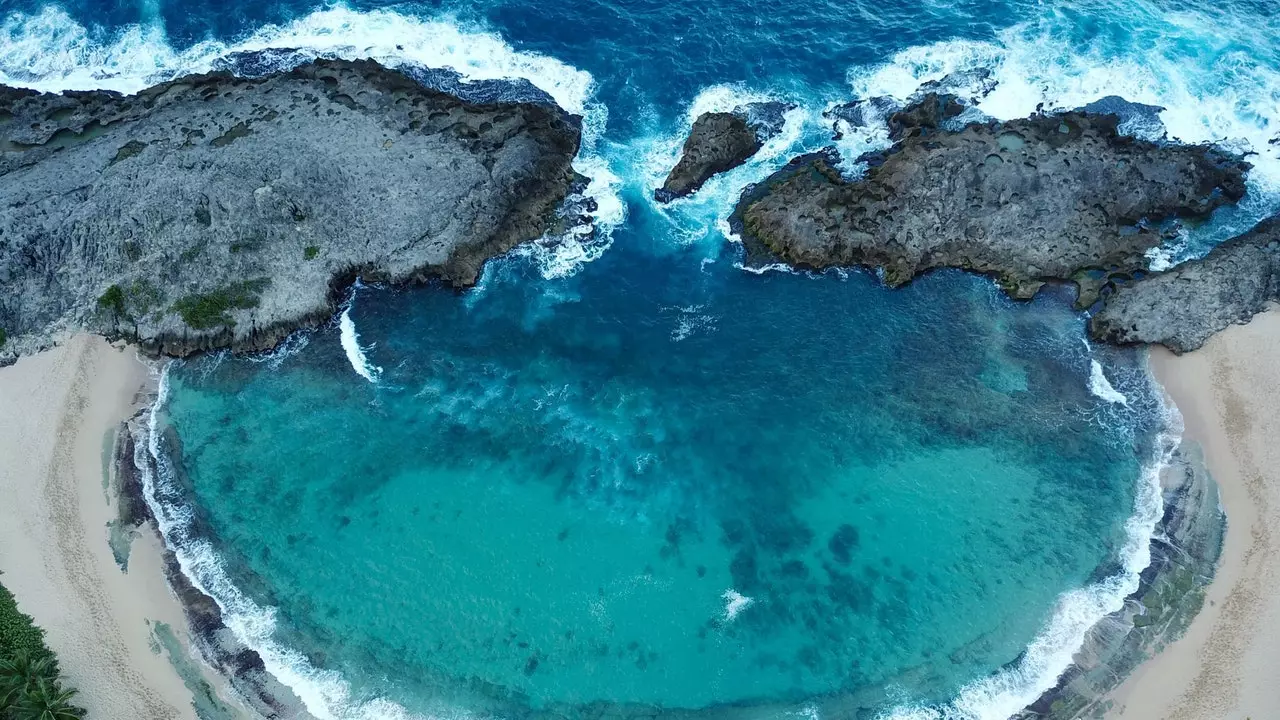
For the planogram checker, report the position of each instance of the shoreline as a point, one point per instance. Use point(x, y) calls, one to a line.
point(1228, 392)
point(60, 408)
point(93, 583)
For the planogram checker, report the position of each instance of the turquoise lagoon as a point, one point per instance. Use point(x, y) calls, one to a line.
point(663, 482)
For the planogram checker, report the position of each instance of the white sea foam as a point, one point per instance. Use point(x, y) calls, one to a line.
point(50, 51)
point(734, 603)
point(1101, 387)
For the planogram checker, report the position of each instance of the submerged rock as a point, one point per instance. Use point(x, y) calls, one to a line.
point(1183, 307)
point(220, 211)
point(719, 142)
point(1027, 201)
point(972, 84)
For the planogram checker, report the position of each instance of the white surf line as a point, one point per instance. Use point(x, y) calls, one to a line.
point(350, 340)
point(325, 693)
point(1052, 652)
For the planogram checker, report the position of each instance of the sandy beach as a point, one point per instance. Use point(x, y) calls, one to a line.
point(57, 410)
point(1226, 666)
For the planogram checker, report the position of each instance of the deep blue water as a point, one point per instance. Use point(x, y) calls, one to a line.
point(625, 470)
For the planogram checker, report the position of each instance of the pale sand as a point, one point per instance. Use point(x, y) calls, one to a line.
point(56, 409)
point(1227, 666)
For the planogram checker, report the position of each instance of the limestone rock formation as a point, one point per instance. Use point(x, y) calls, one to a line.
point(719, 142)
point(1182, 307)
point(220, 211)
point(1042, 198)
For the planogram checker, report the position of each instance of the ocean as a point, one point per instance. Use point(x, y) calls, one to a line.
point(625, 474)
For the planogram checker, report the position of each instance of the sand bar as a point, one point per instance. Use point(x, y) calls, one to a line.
point(1227, 665)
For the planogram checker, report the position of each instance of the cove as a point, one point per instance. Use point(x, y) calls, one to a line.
point(667, 483)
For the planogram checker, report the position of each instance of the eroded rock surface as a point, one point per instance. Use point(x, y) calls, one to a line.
point(1027, 201)
point(219, 211)
point(719, 142)
point(1183, 307)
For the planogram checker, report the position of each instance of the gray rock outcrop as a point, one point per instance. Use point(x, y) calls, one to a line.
point(1027, 201)
point(220, 211)
point(1182, 307)
point(719, 142)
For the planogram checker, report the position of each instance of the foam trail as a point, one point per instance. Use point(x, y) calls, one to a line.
point(356, 354)
point(1101, 387)
point(325, 693)
point(1005, 693)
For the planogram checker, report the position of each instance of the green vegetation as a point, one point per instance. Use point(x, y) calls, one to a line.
point(4, 336)
point(203, 311)
point(128, 302)
point(311, 252)
point(141, 296)
point(113, 300)
point(29, 684)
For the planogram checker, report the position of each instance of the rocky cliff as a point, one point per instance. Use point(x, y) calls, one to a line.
point(1183, 307)
point(220, 211)
point(1048, 197)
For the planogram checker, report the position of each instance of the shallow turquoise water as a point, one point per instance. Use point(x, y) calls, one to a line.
point(555, 487)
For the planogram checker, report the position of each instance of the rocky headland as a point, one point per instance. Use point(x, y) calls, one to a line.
point(217, 211)
point(1186, 305)
point(1044, 198)
point(719, 142)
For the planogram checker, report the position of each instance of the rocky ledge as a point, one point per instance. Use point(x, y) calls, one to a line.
point(220, 211)
point(719, 142)
point(1049, 197)
point(1183, 307)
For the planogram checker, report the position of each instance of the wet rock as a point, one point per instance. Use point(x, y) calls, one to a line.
point(1183, 307)
point(1027, 201)
point(1135, 118)
point(860, 113)
point(719, 142)
point(924, 115)
point(972, 84)
point(219, 211)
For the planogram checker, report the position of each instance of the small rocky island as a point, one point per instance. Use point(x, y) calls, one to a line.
point(719, 142)
point(220, 211)
point(1044, 198)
